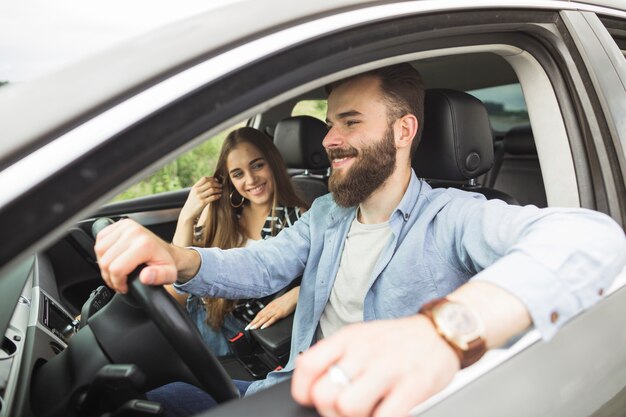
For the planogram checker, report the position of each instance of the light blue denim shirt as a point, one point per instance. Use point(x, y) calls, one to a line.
point(554, 260)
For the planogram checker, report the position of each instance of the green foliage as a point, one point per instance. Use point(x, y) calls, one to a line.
point(181, 173)
point(315, 108)
point(3, 83)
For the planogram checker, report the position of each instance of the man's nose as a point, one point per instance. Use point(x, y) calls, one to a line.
point(332, 139)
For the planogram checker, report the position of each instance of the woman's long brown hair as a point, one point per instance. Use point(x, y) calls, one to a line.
point(222, 227)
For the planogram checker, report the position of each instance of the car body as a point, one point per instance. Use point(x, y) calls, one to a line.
point(74, 139)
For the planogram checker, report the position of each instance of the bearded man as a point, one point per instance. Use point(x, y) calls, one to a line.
point(384, 246)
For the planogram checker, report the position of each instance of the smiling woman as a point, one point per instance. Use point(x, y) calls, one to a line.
point(248, 198)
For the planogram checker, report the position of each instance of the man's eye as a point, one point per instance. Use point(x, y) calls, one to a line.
point(352, 122)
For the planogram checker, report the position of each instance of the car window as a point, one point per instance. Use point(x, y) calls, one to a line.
point(315, 108)
point(505, 105)
point(182, 172)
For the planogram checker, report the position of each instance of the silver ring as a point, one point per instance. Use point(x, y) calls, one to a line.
point(338, 375)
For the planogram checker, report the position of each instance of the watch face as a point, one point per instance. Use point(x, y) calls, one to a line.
point(456, 323)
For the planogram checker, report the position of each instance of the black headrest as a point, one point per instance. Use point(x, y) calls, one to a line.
point(457, 142)
point(520, 141)
point(299, 140)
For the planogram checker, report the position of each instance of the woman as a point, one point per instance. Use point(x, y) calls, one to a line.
point(249, 198)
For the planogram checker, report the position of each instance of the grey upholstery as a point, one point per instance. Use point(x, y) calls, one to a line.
point(518, 172)
point(456, 145)
point(299, 140)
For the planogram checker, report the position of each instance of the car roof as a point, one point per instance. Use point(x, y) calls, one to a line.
point(63, 99)
point(87, 86)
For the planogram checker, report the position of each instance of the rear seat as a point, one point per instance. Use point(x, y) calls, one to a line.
point(299, 140)
point(517, 171)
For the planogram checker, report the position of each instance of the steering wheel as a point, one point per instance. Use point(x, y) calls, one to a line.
point(184, 337)
point(174, 325)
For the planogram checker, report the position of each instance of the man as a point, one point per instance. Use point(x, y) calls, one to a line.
point(383, 246)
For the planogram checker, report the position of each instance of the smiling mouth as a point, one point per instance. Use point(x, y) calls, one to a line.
point(256, 190)
point(340, 157)
point(339, 162)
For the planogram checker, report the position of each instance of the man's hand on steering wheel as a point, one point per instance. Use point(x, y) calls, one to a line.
point(124, 245)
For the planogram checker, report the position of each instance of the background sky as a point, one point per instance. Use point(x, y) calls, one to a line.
point(40, 36)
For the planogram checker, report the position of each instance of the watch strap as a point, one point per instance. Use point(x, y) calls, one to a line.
point(475, 350)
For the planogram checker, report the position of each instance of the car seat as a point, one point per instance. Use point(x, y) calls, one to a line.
point(517, 168)
point(299, 140)
point(456, 145)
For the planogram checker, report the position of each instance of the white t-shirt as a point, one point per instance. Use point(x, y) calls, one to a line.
point(363, 246)
point(250, 242)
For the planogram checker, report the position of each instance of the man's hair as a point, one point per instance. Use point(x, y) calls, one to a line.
point(402, 89)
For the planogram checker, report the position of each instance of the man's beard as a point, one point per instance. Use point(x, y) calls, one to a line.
point(371, 167)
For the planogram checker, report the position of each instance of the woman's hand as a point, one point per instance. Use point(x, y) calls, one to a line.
point(276, 310)
point(203, 192)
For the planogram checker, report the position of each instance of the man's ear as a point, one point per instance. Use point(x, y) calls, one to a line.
point(407, 126)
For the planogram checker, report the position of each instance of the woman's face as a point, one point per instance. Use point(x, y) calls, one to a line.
point(251, 174)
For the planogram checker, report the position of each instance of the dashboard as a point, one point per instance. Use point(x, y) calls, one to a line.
point(39, 329)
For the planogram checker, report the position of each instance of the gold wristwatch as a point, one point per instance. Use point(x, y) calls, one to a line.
point(459, 327)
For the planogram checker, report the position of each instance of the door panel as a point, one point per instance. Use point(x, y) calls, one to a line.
point(73, 259)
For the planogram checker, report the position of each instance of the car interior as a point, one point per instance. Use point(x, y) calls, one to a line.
point(461, 147)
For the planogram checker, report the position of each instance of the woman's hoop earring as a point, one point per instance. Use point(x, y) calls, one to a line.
point(236, 205)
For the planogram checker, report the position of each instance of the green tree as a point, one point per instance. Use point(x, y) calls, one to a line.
point(315, 108)
point(181, 173)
